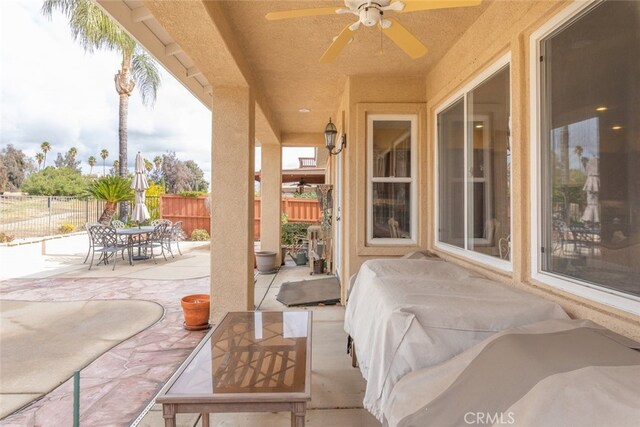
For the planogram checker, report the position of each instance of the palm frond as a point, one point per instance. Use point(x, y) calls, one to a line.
point(146, 75)
point(90, 26)
point(111, 189)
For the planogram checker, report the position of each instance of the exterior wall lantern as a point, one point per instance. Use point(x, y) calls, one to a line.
point(330, 133)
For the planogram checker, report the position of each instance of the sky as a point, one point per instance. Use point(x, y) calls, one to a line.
point(51, 90)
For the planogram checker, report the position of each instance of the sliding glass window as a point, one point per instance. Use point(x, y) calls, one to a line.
point(474, 165)
point(591, 148)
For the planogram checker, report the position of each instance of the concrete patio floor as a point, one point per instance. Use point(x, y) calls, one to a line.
point(118, 388)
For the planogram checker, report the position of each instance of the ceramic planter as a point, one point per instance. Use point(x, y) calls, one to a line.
point(266, 261)
point(196, 311)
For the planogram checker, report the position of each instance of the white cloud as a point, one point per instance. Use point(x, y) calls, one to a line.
point(51, 90)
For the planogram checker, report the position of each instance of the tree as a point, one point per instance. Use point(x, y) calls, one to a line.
point(182, 176)
point(68, 161)
point(104, 154)
point(113, 190)
point(116, 167)
point(157, 161)
point(45, 147)
point(92, 162)
point(56, 182)
point(198, 182)
point(39, 158)
point(94, 30)
point(16, 165)
point(148, 165)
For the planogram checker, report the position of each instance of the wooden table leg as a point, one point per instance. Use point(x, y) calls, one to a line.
point(169, 414)
point(205, 419)
point(298, 414)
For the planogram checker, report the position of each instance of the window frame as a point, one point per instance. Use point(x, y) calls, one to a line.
point(461, 94)
point(412, 180)
point(627, 302)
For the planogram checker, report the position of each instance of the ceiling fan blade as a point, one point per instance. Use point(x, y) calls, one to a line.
point(338, 44)
point(404, 39)
point(418, 5)
point(286, 14)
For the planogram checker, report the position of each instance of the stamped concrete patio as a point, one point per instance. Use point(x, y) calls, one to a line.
point(118, 388)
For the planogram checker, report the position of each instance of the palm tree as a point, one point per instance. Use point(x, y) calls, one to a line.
point(39, 159)
point(116, 167)
point(73, 152)
point(92, 162)
point(113, 190)
point(93, 29)
point(157, 160)
point(104, 154)
point(148, 165)
point(45, 147)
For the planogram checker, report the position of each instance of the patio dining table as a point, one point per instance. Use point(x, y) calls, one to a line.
point(133, 236)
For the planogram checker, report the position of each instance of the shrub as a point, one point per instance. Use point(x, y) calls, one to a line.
point(5, 238)
point(199, 235)
point(292, 229)
point(66, 228)
point(55, 182)
point(193, 194)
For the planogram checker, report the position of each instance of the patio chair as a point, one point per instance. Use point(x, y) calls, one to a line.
point(106, 243)
point(174, 234)
point(116, 223)
point(156, 240)
point(161, 221)
point(91, 242)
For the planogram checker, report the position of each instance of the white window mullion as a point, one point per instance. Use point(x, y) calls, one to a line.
point(466, 174)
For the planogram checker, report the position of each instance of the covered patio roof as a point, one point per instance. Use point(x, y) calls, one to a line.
point(231, 43)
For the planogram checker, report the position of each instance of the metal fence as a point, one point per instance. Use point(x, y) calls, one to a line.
point(38, 216)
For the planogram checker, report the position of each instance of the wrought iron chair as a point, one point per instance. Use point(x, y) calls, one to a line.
point(116, 223)
point(174, 234)
point(106, 243)
point(156, 240)
point(91, 242)
point(156, 222)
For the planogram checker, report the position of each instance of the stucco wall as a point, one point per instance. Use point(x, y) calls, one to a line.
point(507, 27)
point(375, 94)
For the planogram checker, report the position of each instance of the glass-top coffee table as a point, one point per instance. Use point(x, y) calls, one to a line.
point(251, 362)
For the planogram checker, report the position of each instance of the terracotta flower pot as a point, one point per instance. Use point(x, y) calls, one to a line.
point(196, 311)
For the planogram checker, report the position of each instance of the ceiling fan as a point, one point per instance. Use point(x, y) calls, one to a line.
point(371, 13)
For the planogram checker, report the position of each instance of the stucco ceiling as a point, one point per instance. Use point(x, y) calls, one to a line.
point(231, 42)
point(285, 54)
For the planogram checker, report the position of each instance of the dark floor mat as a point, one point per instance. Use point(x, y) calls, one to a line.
point(310, 292)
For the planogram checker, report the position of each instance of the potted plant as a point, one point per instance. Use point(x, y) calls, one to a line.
point(196, 311)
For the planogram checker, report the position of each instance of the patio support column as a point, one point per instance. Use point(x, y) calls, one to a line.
point(270, 195)
point(232, 194)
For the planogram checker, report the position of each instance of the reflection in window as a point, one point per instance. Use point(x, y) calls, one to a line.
point(591, 206)
point(476, 204)
point(391, 176)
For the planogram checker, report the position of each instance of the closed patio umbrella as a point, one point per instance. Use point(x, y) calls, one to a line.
point(140, 185)
point(592, 187)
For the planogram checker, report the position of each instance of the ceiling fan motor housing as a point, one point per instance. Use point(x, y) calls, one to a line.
point(370, 16)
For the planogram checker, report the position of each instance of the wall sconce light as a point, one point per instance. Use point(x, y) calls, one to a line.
point(330, 133)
